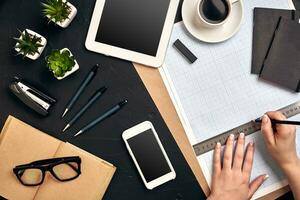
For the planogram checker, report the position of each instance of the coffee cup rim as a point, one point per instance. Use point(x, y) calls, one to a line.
point(211, 24)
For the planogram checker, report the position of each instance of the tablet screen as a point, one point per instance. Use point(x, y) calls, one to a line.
point(134, 25)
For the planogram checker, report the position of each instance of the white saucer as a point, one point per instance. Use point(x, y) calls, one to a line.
point(212, 35)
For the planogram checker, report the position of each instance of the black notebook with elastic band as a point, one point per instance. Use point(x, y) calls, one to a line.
point(265, 20)
point(282, 63)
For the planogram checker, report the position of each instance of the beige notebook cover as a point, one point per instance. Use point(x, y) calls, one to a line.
point(21, 144)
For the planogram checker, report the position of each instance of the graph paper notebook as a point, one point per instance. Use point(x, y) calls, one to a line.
point(218, 92)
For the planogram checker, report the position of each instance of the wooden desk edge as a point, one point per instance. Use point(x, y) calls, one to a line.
point(157, 90)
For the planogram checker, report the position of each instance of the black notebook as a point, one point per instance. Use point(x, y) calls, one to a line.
point(282, 63)
point(265, 20)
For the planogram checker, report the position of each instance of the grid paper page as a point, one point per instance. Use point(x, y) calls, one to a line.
point(218, 93)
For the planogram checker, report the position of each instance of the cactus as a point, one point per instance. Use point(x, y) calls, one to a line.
point(28, 44)
point(56, 10)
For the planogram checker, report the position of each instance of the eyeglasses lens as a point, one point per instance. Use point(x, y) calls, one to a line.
point(31, 176)
point(66, 171)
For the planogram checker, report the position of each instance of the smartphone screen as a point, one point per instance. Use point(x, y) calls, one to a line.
point(149, 155)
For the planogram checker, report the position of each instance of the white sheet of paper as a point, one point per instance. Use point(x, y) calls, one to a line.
point(218, 93)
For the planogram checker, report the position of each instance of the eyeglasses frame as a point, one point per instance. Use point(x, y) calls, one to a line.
point(48, 165)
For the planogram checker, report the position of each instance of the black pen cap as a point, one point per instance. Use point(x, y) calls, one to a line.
point(95, 68)
point(102, 89)
point(122, 103)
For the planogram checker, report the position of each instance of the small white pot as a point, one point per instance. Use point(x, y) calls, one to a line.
point(40, 49)
point(74, 69)
point(71, 16)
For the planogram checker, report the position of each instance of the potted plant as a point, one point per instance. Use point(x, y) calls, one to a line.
point(62, 63)
point(30, 44)
point(60, 12)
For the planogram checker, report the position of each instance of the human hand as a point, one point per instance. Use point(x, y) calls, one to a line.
point(232, 180)
point(280, 140)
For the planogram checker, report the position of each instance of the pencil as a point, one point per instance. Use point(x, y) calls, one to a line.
point(107, 114)
point(95, 96)
point(83, 85)
point(275, 121)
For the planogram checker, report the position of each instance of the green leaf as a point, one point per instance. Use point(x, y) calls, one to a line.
point(60, 62)
point(56, 10)
point(28, 44)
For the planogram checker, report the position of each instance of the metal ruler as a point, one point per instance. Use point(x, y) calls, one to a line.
point(247, 129)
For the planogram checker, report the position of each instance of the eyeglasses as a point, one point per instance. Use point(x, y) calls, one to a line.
point(63, 169)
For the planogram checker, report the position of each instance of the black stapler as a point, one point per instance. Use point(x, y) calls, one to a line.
point(33, 98)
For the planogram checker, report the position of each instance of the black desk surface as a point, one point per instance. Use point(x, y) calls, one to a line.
point(122, 81)
point(119, 76)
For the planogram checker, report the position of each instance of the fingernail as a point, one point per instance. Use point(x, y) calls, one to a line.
point(265, 119)
point(231, 136)
point(242, 135)
point(251, 144)
point(266, 177)
point(218, 145)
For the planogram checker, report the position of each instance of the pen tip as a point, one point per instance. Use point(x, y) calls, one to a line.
point(78, 133)
point(67, 126)
point(65, 112)
point(257, 120)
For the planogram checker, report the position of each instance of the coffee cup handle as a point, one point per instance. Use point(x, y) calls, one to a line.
point(233, 1)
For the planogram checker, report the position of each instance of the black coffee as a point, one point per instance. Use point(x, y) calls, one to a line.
point(214, 11)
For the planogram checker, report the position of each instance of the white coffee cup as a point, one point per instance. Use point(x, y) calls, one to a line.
point(201, 21)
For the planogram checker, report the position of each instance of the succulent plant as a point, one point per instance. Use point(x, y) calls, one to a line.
point(60, 62)
point(28, 44)
point(56, 10)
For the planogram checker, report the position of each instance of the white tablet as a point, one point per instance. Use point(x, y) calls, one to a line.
point(134, 30)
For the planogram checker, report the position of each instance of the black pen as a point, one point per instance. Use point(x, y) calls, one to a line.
point(274, 121)
point(83, 85)
point(107, 114)
point(95, 96)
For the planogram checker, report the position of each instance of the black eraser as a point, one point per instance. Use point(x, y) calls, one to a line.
point(185, 51)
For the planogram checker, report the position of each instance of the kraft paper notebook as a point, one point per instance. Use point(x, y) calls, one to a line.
point(21, 144)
